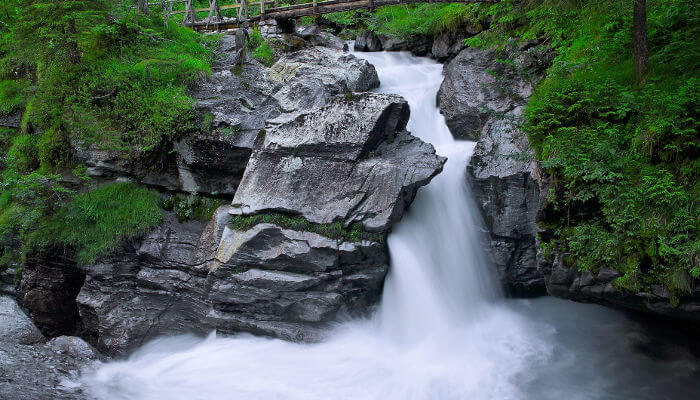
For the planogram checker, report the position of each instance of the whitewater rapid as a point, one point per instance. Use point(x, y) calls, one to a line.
point(442, 330)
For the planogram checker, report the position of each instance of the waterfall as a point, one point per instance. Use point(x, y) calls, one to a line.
point(442, 330)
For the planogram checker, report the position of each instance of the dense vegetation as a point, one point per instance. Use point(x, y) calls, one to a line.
point(86, 73)
point(623, 156)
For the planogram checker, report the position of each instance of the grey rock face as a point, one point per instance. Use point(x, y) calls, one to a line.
point(213, 163)
point(48, 290)
point(31, 369)
point(15, 326)
point(447, 45)
point(13, 120)
point(470, 97)
point(288, 283)
point(317, 37)
point(502, 171)
point(154, 287)
point(190, 278)
point(348, 162)
point(367, 41)
point(310, 77)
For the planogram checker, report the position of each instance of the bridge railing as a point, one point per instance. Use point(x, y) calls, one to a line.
point(244, 9)
point(257, 10)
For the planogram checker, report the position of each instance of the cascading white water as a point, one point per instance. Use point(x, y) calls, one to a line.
point(441, 331)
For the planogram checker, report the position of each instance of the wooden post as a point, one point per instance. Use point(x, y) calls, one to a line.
point(214, 11)
point(190, 15)
point(243, 10)
point(262, 10)
point(315, 7)
point(143, 7)
point(277, 3)
point(165, 13)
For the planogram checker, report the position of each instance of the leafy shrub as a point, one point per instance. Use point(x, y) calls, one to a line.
point(624, 158)
point(192, 207)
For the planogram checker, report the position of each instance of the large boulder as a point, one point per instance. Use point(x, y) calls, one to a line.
point(473, 97)
point(349, 162)
point(309, 78)
point(368, 41)
point(288, 283)
point(269, 278)
point(483, 100)
point(318, 37)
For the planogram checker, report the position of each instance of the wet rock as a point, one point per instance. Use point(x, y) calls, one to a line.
point(310, 77)
point(568, 283)
point(289, 283)
point(48, 290)
point(317, 37)
point(349, 162)
point(238, 100)
point(482, 100)
point(154, 287)
point(418, 45)
point(367, 41)
point(447, 45)
point(189, 278)
point(472, 97)
point(16, 327)
point(32, 370)
point(213, 163)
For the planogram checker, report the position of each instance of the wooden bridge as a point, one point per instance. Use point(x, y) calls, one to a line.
point(247, 12)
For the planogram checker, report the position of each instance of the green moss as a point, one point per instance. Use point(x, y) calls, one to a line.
point(261, 49)
point(95, 223)
point(37, 216)
point(423, 19)
point(336, 230)
point(13, 96)
point(192, 207)
point(22, 156)
point(104, 75)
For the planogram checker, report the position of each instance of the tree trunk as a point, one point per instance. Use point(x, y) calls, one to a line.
point(639, 40)
point(143, 7)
